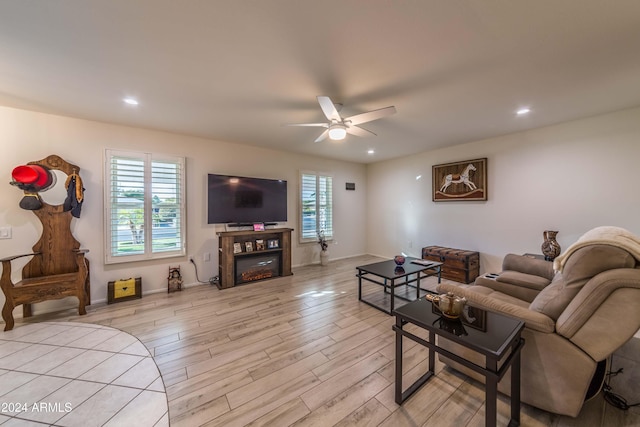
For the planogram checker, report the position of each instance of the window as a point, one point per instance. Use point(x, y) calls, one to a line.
point(316, 206)
point(145, 206)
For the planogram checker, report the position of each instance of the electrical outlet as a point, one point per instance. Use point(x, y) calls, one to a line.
point(191, 259)
point(5, 232)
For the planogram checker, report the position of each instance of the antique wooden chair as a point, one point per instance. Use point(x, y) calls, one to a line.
point(58, 267)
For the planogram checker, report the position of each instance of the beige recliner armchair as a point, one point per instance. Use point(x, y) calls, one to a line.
point(573, 324)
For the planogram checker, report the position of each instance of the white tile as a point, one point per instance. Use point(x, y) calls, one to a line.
point(111, 368)
point(35, 390)
point(71, 335)
point(117, 342)
point(164, 421)
point(100, 407)
point(12, 347)
point(51, 360)
point(145, 410)
point(19, 331)
point(26, 355)
point(136, 348)
point(12, 380)
point(143, 374)
point(42, 334)
point(63, 401)
point(80, 364)
point(16, 422)
point(157, 385)
point(96, 337)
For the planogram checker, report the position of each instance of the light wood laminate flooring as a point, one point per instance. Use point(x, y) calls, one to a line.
point(302, 351)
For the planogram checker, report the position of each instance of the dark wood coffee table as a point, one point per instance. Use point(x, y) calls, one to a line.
point(391, 276)
point(493, 335)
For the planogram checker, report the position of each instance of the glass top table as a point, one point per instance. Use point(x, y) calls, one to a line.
point(398, 282)
point(493, 335)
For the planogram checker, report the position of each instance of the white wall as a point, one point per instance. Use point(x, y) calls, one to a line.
point(27, 136)
point(569, 177)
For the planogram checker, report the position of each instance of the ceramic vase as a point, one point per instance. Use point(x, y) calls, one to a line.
point(324, 257)
point(550, 247)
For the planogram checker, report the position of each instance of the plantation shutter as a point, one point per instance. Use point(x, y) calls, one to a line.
point(316, 206)
point(144, 204)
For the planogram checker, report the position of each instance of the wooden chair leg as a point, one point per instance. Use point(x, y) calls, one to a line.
point(26, 310)
point(7, 315)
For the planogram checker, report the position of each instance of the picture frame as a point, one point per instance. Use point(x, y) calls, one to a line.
point(248, 246)
point(460, 181)
point(260, 245)
point(258, 226)
point(273, 243)
point(237, 248)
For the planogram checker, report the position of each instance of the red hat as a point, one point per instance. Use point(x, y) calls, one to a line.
point(32, 177)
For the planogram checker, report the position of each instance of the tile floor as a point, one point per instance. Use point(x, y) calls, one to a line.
point(63, 374)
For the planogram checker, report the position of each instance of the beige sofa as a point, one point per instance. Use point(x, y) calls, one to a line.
point(574, 321)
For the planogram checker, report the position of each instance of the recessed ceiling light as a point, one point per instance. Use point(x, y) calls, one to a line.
point(371, 152)
point(130, 101)
point(523, 111)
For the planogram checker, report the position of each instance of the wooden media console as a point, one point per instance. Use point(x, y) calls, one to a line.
point(234, 246)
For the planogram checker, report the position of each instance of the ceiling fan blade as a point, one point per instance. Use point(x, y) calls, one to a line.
point(371, 115)
point(358, 131)
point(322, 136)
point(328, 108)
point(318, 125)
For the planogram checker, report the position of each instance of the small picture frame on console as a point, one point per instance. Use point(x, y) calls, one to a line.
point(237, 248)
point(260, 245)
point(249, 246)
point(273, 243)
point(258, 226)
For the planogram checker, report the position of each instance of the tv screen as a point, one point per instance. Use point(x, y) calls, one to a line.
point(236, 199)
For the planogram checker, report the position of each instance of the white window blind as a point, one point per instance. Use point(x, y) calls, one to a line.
point(145, 206)
point(316, 206)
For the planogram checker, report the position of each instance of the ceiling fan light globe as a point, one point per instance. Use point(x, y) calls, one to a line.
point(337, 133)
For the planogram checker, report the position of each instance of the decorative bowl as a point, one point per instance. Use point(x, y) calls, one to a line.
point(399, 259)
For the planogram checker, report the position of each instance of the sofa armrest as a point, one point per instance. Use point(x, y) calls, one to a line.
point(533, 319)
point(526, 265)
point(518, 285)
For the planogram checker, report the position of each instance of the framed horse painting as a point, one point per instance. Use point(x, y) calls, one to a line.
point(460, 181)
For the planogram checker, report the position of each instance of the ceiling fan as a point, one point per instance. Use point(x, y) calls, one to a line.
point(337, 128)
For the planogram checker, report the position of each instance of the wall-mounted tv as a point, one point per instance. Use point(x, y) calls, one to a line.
point(244, 200)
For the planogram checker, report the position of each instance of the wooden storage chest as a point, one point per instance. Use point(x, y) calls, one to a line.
point(459, 265)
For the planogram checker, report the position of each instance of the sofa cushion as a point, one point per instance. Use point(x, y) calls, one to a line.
point(583, 264)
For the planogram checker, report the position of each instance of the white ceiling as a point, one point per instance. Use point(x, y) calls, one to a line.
point(235, 70)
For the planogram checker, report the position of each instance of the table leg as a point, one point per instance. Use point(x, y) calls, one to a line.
point(432, 353)
point(491, 394)
point(359, 285)
point(439, 273)
point(515, 391)
point(393, 295)
point(418, 285)
point(398, 362)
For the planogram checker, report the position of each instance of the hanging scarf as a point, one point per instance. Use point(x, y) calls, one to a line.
point(75, 194)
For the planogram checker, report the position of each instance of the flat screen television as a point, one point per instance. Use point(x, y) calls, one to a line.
point(244, 200)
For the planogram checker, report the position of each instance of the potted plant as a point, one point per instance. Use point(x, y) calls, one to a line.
point(324, 246)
